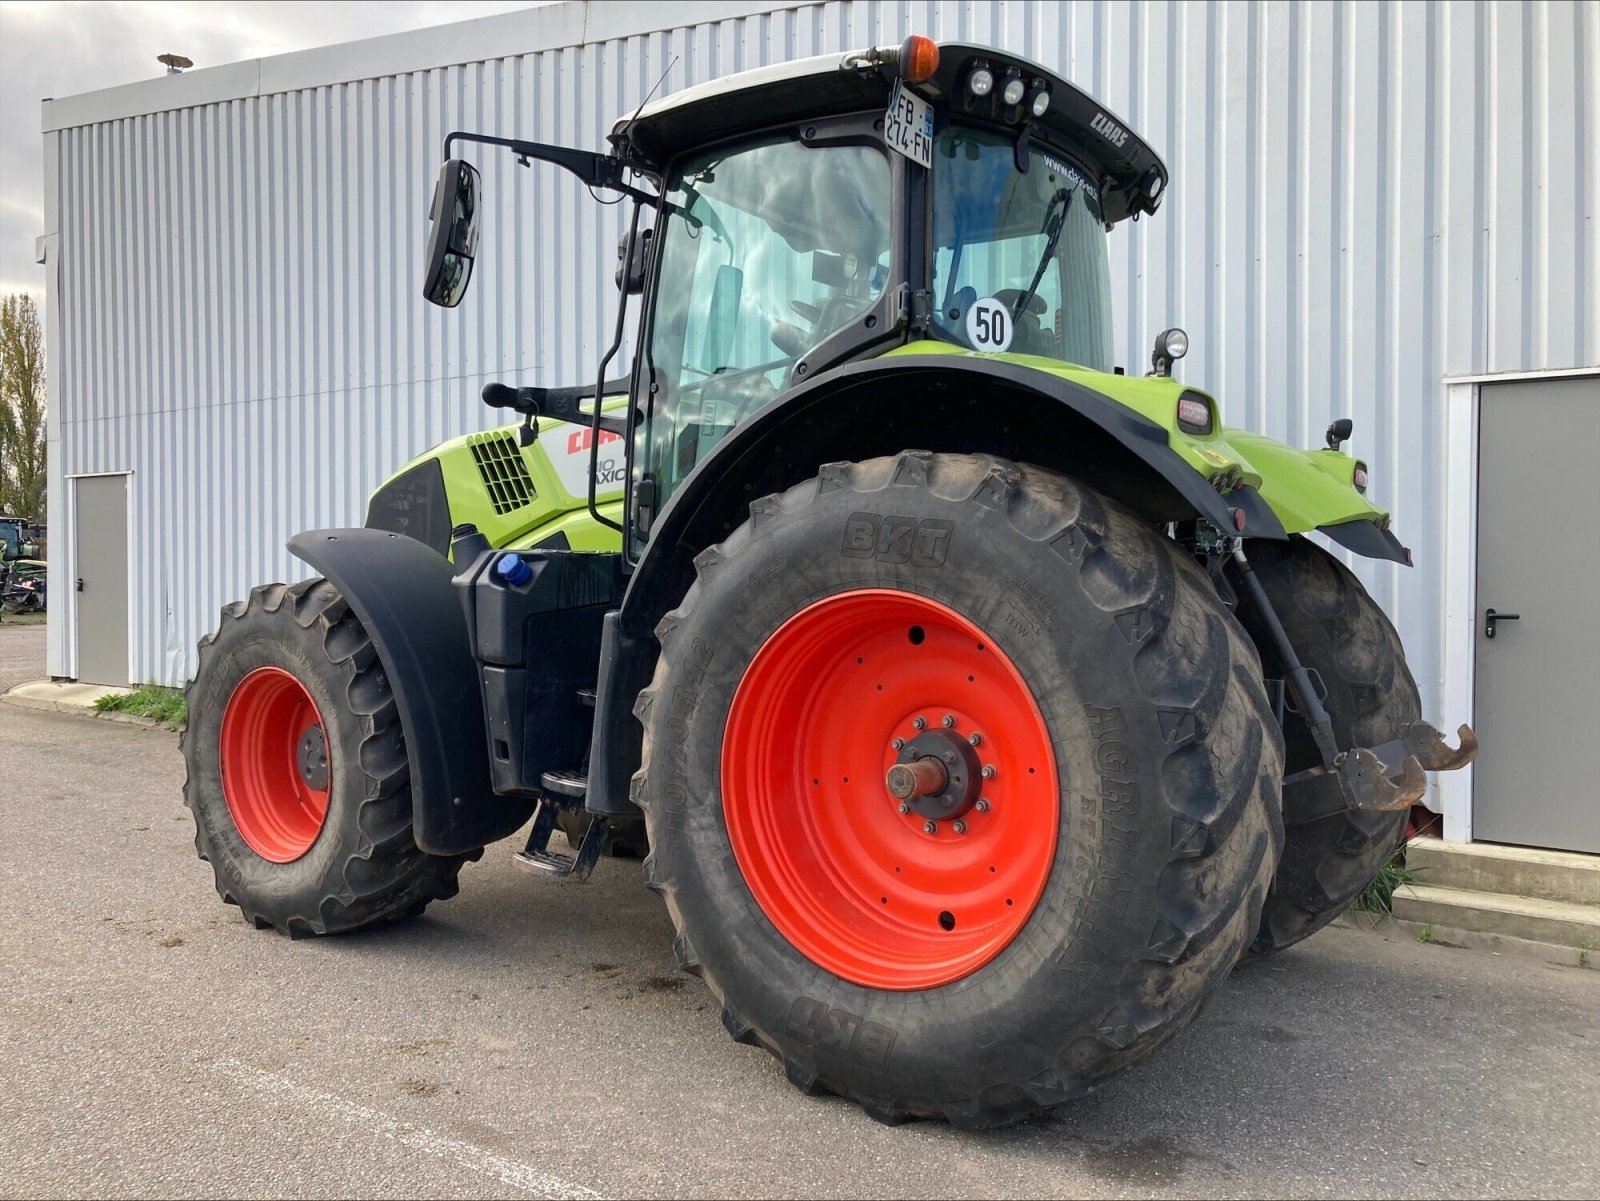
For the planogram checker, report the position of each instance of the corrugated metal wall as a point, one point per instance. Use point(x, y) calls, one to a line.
point(1366, 197)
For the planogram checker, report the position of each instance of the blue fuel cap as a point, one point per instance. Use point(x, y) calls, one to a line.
point(512, 570)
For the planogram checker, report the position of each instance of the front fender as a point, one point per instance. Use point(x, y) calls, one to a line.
point(1306, 488)
point(403, 594)
point(1315, 490)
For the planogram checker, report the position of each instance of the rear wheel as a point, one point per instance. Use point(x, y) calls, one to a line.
point(297, 773)
point(1338, 631)
point(961, 786)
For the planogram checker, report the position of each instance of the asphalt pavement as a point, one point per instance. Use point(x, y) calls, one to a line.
point(531, 1038)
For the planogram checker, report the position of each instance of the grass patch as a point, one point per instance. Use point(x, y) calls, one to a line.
point(23, 619)
point(1378, 899)
point(163, 705)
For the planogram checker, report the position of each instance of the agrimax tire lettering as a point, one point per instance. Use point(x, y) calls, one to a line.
point(1114, 810)
point(894, 539)
point(1113, 757)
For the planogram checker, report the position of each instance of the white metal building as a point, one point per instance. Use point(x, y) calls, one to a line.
point(1376, 211)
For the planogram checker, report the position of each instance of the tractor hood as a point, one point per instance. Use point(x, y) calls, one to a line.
point(515, 495)
point(1133, 178)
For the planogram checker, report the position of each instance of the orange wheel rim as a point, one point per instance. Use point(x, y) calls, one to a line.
point(890, 789)
point(276, 770)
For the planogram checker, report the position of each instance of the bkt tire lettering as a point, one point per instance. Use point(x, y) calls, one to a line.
point(840, 1032)
point(892, 539)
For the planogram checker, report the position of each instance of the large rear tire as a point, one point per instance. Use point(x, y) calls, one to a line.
point(1115, 868)
point(1340, 632)
point(297, 772)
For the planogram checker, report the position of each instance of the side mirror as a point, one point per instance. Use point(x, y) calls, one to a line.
point(632, 258)
point(453, 238)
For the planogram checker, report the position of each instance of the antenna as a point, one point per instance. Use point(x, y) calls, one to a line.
point(652, 92)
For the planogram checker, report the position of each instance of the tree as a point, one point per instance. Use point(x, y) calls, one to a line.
point(22, 400)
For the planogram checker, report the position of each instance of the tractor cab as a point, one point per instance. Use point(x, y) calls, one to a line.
point(812, 214)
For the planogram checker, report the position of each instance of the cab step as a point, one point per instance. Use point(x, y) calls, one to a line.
point(565, 783)
point(537, 856)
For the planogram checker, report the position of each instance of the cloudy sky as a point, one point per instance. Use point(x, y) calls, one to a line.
point(64, 47)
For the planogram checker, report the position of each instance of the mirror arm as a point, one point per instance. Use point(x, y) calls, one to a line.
point(599, 394)
point(596, 170)
point(563, 404)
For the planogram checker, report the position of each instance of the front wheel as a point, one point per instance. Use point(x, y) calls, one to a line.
point(961, 784)
point(297, 773)
point(1338, 631)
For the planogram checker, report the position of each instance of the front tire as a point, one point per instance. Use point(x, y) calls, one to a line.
point(1131, 831)
point(1338, 631)
point(297, 773)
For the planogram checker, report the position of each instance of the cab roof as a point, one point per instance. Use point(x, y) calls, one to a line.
point(1133, 177)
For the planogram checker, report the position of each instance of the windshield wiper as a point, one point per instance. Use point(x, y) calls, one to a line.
point(1054, 222)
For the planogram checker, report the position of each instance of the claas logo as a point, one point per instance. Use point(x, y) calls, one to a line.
point(581, 440)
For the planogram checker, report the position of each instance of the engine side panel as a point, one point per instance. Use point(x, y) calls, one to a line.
point(517, 496)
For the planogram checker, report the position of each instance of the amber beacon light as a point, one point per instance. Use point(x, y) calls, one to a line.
point(919, 58)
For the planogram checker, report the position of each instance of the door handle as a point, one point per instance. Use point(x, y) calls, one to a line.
point(1490, 617)
point(80, 589)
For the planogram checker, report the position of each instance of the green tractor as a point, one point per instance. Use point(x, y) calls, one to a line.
point(974, 705)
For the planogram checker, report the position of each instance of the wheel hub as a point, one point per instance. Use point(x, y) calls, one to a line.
point(311, 758)
point(937, 776)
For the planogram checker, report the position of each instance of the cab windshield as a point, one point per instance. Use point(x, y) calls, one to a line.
point(1032, 240)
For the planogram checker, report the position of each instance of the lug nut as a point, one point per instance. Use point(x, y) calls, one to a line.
point(981, 804)
point(897, 744)
point(988, 771)
point(949, 721)
point(919, 723)
point(960, 827)
point(930, 827)
point(975, 738)
point(904, 808)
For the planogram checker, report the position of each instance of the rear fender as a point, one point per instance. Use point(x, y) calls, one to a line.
point(403, 594)
point(928, 401)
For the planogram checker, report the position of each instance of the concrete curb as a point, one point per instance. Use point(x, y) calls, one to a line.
point(76, 699)
point(1453, 938)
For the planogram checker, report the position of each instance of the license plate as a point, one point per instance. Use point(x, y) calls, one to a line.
point(908, 125)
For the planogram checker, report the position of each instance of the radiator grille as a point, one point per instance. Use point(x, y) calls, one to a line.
point(505, 474)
